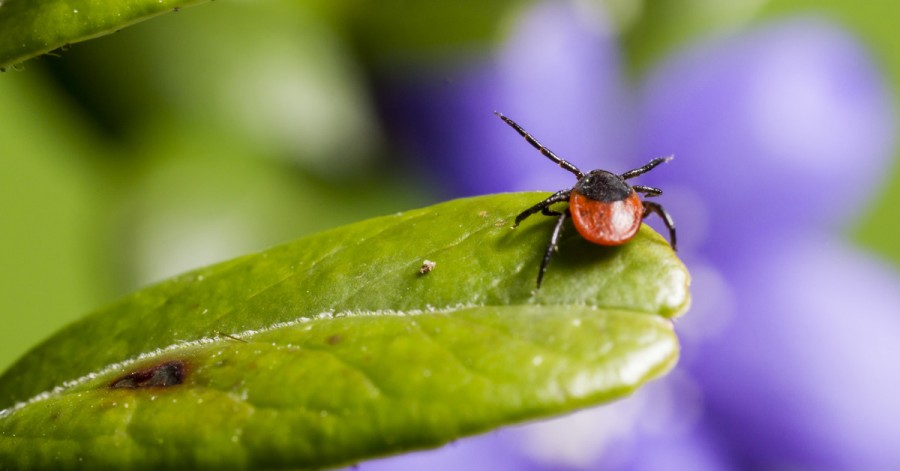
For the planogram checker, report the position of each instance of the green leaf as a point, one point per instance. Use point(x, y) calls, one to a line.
point(335, 348)
point(402, 30)
point(29, 28)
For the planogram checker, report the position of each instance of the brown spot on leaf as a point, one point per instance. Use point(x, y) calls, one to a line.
point(163, 375)
point(334, 339)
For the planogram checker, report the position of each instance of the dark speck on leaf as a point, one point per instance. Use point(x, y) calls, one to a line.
point(334, 339)
point(166, 374)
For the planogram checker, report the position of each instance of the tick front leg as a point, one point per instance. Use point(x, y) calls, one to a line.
point(543, 206)
point(646, 168)
point(540, 147)
point(650, 207)
point(647, 190)
point(553, 245)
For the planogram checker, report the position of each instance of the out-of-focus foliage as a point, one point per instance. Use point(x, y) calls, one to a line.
point(50, 214)
point(171, 145)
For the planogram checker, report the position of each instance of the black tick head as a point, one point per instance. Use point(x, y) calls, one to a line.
point(603, 186)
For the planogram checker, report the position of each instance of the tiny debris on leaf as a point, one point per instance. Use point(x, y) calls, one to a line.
point(232, 337)
point(426, 267)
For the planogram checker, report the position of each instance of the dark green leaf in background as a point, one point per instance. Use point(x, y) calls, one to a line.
point(335, 348)
point(32, 27)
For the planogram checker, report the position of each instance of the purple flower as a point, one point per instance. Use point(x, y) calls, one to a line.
point(543, 79)
point(805, 374)
point(785, 133)
point(781, 135)
point(787, 126)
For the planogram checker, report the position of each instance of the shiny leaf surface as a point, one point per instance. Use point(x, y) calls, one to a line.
point(337, 347)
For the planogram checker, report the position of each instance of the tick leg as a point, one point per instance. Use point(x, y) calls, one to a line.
point(552, 246)
point(549, 212)
point(647, 190)
point(646, 168)
point(543, 206)
point(540, 147)
point(650, 207)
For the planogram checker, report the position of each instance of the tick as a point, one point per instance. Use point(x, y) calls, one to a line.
point(604, 208)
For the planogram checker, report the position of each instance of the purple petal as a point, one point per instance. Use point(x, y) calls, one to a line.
point(558, 76)
point(806, 375)
point(787, 126)
point(699, 450)
point(482, 453)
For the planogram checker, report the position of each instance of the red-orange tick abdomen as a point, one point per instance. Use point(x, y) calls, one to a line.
point(606, 223)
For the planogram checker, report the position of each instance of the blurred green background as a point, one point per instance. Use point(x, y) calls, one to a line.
point(230, 127)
